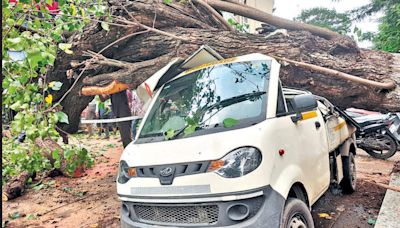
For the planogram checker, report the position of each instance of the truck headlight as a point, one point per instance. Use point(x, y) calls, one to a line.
point(125, 172)
point(237, 163)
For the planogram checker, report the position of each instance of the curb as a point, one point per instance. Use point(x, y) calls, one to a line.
point(389, 213)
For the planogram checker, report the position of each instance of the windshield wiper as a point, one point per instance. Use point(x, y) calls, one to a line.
point(222, 104)
point(233, 100)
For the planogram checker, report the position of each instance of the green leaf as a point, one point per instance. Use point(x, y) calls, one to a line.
point(38, 187)
point(30, 216)
point(371, 221)
point(14, 215)
point(65, 47)
point(16, 40)
point(105, 26)
point(61, 2)
point(57, 164)
point(55, 154)
point(34, 57)
point(169, 134)
point(55, 85)
point(230, 122)
point(190, 129)
point(167, 1)
point(16, 106)
point(62, 117)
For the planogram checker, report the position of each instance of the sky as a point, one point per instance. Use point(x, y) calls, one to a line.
point(291, 8)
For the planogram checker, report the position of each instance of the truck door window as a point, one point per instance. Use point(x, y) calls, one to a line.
point(289, 103)
point(281, 107)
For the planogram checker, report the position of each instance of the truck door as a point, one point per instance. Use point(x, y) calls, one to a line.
point(310, 144)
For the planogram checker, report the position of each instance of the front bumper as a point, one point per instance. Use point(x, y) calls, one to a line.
point(263, 211)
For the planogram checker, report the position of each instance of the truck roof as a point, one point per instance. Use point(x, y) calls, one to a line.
point(243, 58)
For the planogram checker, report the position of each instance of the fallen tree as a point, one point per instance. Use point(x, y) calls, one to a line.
point(16, 186)
point(148, 34)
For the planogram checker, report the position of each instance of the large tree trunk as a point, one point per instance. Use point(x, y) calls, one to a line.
point(190, 27)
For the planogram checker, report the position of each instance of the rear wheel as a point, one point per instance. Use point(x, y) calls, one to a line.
point(348, 182)
point(296, 215)
point(380, 146)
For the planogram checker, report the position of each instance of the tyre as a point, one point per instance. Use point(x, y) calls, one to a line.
point(296, 215)
point(348, 182)
point(381, 146)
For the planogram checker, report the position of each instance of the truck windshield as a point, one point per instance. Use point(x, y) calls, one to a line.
point(221, 96)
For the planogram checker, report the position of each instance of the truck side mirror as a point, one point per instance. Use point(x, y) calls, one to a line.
point(301, 103)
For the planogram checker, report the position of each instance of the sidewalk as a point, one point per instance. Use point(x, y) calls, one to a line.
point(389, 213)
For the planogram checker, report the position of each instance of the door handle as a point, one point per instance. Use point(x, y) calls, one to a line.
point(317, 124)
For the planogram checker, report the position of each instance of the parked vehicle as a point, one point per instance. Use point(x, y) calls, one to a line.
point(377, 134)
point(224, 145)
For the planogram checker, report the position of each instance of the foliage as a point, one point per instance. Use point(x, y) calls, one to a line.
point(326, 18)
point(32, 35)
point(230, 122)
point(371, 8)
point(240, 27)
point(21, 157)
point(388, 38)
point(74, 157)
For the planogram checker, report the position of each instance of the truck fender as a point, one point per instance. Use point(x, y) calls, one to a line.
point(287, 178)
point(345, 147)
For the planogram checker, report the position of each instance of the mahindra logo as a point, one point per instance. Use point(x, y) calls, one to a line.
point(166, 171)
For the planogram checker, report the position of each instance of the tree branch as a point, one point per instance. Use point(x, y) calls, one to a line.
point(135, 22)
point(256, 14)
point(121, 39)
point(128, 69)
point(214, 13)
point(379, 85)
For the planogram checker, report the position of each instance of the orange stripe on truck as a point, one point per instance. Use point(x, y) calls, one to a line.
point(339, 126)
point(308, 115)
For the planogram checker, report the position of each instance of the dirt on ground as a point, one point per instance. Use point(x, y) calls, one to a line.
point(91, 201)
point(360, 209)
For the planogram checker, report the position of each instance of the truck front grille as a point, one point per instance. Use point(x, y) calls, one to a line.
point(179, 214)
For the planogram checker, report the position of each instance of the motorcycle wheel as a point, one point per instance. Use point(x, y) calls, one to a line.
point(388, 142)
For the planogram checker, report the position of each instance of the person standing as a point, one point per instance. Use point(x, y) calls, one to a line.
point(120, 108)
point(91, 115)
point(102, 113)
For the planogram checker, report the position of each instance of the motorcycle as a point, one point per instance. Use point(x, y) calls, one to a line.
point(378, 134)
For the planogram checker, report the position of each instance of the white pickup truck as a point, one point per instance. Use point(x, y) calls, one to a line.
point(224, 145)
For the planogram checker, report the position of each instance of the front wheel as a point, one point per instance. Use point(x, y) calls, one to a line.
point(296, 215)
point(348, 182)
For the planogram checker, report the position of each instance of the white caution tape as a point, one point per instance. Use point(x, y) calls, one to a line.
point(115, 120)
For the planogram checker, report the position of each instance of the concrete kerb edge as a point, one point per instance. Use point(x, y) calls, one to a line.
point(389, 213)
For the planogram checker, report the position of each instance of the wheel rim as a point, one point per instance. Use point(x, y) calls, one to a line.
point(379, 143)
point(297, 221)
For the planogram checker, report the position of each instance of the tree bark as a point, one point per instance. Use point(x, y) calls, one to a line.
point(148, 52)
point(256, 14)
point(48, 145)
point(16, 186)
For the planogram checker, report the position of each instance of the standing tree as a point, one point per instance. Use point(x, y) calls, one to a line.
point(326, 18)
point(388, 36)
